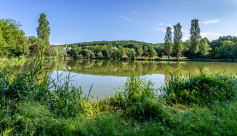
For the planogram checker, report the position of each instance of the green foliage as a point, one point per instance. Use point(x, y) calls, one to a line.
point(120, 52)
point(139, 51)
point(168, 41)
point(203, 89)
point(186, 44)
point(88, 54)
point(92, 54)
point(105, 53)
point(43, 30)
point(152, 52)
point(195, 36)
point(100, 55)
point(132, 54)
point(113, 52)
point(178, 45)
point(145, 48)
point(48, 108)
point(12, 39)
point(204, 47)
point(214, 53)
point(226, 50)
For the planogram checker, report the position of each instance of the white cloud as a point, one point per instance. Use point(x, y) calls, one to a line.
point(209, 22)
point(183, 30)
point(168, 24)
point(134, 11)
point(161, 24)
point(210, 34)
point(125, 18)
point(185, 37)
point(120, 35)
point(161, 29)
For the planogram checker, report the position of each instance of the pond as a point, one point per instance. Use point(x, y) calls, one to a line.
point(105, 76)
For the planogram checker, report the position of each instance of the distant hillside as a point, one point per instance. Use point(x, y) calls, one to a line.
point(123, 43)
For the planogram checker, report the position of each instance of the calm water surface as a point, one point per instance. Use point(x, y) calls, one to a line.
point(106, 75)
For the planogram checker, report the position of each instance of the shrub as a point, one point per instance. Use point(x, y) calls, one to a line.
point(33, 49)
point(47, 54)
point(175, 55)
point(138, 99)
point(145, 54)
point(160, 54)
point(203, 89)
point(187, 53)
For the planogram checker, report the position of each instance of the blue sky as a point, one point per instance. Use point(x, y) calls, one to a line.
point(140, 20)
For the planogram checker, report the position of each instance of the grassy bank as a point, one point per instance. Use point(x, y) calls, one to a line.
point(193, 105)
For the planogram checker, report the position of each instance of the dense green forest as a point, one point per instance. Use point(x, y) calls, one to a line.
point(223, 47)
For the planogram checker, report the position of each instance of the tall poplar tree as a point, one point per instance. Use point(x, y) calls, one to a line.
point(168, 41)
point(195, 36)
point(178, 45)
point(43, 30)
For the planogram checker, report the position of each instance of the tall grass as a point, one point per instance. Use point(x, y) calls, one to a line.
point(31, 103)
point(203, 89)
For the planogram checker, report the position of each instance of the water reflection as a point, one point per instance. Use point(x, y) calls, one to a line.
point(106, 75)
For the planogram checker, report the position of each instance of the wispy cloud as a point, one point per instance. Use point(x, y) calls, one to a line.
point(125, 18)
point(161, 29)
point(210, 22)
point(168, 24)
point(134, 11)
point(120, 35)
point(210, 34)
point(185, 37)
point(184, 30)
point(160, 23)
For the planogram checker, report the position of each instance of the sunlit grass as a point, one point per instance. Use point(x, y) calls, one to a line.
point(31, 103)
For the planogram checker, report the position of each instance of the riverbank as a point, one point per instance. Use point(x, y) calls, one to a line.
point(184, 59)
point(204, 104)
point(181, 59)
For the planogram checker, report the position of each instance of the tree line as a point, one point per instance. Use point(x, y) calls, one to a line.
point(13, 42)
point(194, 47)
point(198, 47)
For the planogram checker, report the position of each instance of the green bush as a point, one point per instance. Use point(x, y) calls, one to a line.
point(203, 89)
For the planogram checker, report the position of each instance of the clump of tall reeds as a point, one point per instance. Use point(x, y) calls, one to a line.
point(138, 99)
point(29, 98)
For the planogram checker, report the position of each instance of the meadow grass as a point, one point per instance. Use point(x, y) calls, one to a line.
point(31, 103)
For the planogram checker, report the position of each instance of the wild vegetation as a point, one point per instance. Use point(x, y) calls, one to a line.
point(31, 103)
point(34, 104)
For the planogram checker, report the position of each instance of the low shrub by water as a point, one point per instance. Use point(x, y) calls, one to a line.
point(203, 89)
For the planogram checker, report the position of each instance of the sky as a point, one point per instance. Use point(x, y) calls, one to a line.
point(73, 21)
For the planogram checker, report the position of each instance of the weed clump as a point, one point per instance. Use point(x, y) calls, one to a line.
point(138, 100)
point(203, 89)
